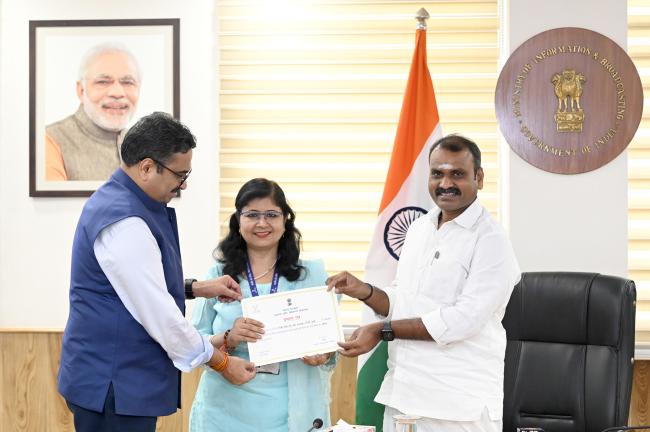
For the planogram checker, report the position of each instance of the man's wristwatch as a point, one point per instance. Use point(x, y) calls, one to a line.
point(189, 294)
point(387, 332)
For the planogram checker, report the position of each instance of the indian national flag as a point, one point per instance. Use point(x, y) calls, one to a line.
point(405, 198)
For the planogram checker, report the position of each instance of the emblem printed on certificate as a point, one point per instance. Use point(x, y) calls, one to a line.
point(296, 323)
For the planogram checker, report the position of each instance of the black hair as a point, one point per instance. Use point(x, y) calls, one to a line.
point(232, 250)
point(456, 143)
point(157, 136)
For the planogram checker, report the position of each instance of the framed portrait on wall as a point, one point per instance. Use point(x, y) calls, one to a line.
point(89, 82)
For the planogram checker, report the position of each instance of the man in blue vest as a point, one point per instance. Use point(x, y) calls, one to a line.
point(126, 338)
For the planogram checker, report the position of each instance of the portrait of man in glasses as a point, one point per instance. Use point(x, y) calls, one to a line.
point(86, 144)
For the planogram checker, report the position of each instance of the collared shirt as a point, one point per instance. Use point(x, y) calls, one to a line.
point(458, 279)
point(130, 258)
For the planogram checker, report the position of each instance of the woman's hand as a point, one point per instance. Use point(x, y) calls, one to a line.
point(317, 360)
point(244, 330)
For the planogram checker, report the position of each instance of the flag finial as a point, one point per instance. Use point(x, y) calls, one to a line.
point(422, 15)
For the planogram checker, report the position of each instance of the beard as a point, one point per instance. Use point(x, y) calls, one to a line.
point(105, 121)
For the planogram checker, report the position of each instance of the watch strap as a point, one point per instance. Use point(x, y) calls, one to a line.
point(189, 294)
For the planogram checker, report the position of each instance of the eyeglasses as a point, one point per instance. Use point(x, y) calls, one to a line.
point(181, 177)
point(257, 215)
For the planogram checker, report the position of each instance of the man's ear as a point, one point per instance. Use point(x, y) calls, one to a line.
point(479, 177)
point(80, 90)
point(146, 167)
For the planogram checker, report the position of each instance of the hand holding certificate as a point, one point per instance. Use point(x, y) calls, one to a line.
point(296, 323)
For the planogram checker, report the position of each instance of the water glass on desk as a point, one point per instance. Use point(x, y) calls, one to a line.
point(405, 423)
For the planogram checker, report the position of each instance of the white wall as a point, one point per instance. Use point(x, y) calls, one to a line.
point(568, 222)
point(36, 233)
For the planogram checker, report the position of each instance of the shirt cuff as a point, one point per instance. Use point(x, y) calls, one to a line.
point(435, 325)
point(203, 358)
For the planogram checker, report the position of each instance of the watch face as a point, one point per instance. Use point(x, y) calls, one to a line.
point(387, 332)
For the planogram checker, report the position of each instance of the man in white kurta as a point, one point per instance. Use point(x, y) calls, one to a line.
point(444, 309)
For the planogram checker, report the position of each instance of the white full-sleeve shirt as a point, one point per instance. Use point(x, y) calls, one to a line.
point(458, 279)
point(130, 257)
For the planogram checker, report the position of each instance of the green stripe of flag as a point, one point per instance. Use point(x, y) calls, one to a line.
point(369, 380)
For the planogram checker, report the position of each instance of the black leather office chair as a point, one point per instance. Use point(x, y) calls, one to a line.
point(570, 352)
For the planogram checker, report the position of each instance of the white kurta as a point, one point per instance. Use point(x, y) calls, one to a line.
point(458, 280)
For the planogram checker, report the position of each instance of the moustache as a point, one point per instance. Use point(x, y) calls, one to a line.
point(454, 190)
point(116, 104)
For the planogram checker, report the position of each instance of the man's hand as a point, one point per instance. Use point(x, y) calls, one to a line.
point(345, 283)
point(238, 371)
point(317, 360)
point(362, 340)
point(244, 330)
point(225, 288)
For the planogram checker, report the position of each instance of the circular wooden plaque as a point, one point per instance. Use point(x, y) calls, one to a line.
point(569, 100)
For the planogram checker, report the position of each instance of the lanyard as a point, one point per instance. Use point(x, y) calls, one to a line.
point(253, 285)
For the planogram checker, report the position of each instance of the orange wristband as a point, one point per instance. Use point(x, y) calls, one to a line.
point(223, 364)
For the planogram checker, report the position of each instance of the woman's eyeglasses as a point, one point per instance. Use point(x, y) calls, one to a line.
point(257, 215)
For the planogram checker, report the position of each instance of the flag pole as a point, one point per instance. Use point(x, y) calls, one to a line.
point(422, 16)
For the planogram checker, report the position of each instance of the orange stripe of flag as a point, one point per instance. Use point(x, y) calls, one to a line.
point(417, 120)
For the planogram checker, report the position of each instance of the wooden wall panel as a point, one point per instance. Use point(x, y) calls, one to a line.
point(344, 386)
point(29, 401)
point(640, 393)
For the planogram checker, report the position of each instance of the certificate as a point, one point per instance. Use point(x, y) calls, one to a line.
point(296, 324)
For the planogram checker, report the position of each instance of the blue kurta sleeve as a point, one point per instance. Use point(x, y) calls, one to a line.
point(315, 274)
